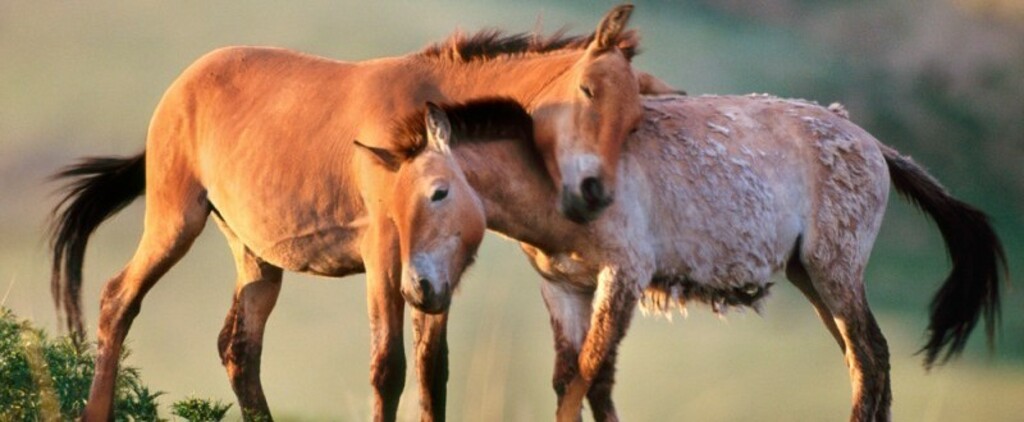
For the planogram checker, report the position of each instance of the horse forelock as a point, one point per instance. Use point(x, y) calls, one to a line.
point(493, 43)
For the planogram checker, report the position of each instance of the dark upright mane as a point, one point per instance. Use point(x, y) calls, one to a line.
point(491, 43)
point(480, 120)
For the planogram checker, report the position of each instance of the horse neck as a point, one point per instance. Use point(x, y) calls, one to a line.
point(519, 198)
point(520, 77)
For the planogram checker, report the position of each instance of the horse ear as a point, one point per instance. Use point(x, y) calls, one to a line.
point(611, 26)
point(386, 158)
point(652, 85)
point(439, 128)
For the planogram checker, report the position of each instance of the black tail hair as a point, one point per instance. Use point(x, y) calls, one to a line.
point(97, 188)
point(972, 288)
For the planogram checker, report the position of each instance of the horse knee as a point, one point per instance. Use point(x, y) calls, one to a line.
point(566, 368)
point(118, 308)
point(560, 382)
point(227, 333)
point(387, 370)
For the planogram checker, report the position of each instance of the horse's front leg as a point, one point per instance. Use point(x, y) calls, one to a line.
point(569, 308)
point(385, 306)
point(600, 394)
point(431, 339)
point(615, 299)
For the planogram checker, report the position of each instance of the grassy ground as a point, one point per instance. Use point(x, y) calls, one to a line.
point(83, 78)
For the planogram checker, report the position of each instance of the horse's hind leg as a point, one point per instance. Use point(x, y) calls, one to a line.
point(797, 274)
point(839, 287)
point(241, 340)
point(174, 217)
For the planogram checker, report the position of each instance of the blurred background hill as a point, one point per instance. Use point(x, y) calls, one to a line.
point(941, 80)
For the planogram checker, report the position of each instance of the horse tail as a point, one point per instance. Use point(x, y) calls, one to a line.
point(97, 188)
point(972, 288)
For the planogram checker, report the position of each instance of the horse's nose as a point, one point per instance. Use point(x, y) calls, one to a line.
point(585, 204)
point(426, 289)
point(593, 192)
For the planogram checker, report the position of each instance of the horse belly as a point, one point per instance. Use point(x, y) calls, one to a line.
point(725, 282)
point(723, 253)
point(300, 232)
point(332, 252)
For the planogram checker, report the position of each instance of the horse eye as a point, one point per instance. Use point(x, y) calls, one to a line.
point(439, 194)
point(586, 91)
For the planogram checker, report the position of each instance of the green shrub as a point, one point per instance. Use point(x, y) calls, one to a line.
point(44, 379)
point(200, 410)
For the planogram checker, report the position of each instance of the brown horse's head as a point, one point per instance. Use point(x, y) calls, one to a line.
point(585, 114)
point(438, 217)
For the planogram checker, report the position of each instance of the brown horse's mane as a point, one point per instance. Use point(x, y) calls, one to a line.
point(493, 43)
point(475, 121)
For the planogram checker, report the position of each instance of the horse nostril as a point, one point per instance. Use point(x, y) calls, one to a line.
point(425, 288)
point(592, 190)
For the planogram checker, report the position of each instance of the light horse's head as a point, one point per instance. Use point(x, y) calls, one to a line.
point(585, 114)
point(438, 218)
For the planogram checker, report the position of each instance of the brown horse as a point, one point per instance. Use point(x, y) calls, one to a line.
point(262, 137)
point(716, 195)
point(430, 228)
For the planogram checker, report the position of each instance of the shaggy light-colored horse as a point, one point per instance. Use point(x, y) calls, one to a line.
point(263, 138)
point(717, 194)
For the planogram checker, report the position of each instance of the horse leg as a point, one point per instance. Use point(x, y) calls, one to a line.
point(241, 340)
point(570, 319)
point(840, 287)
point(387, 353)
point(600, 394)
point(386, 310)
point(613, 306)
point(430, 335)
point(797, 274)
point(172, 223)
point(570, 311)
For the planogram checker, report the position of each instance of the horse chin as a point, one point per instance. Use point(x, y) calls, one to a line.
point(430, 303)
point(434, 306)
point(436, 309)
